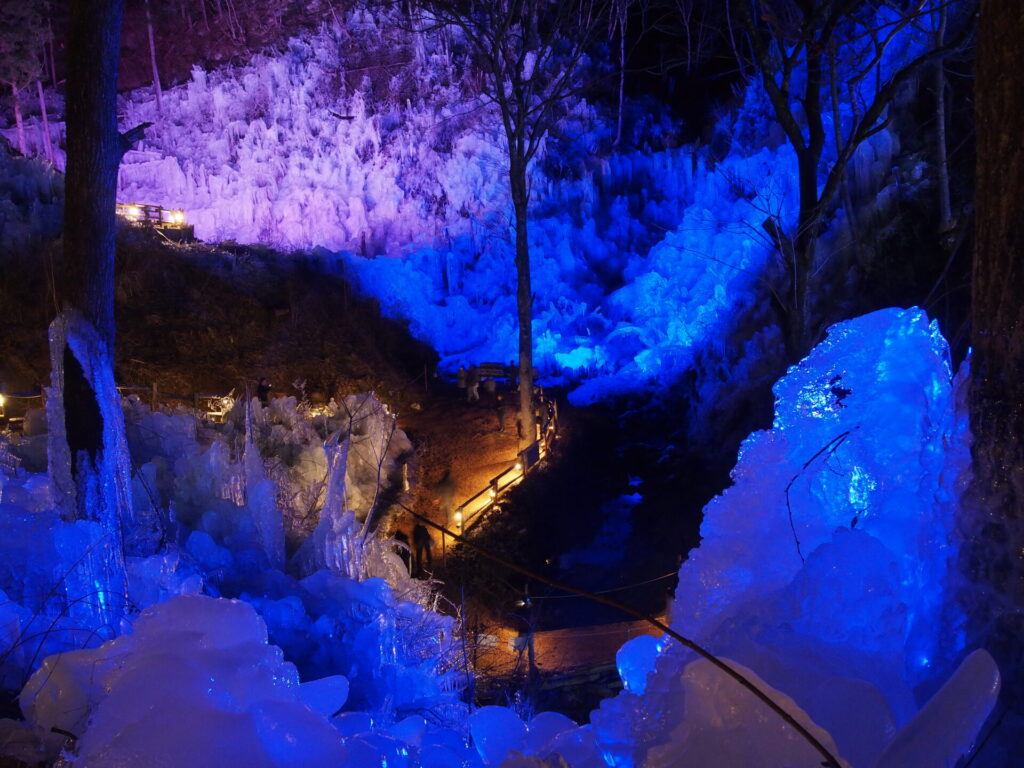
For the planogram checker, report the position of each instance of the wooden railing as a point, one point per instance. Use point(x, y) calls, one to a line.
point(469, 512)
point(152, 215)
point(14, 405)
point(210, 404)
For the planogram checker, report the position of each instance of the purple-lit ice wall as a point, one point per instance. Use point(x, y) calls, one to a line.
point(643, 256)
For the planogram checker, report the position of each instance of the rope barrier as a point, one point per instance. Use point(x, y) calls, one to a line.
point(608, 591)
point(829, 760)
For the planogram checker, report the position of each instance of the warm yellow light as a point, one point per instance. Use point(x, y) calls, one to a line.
point(2, 401)
point(458, 518)
point(492, 493)
point(134, 211)
point(519, 466)
point(177, 217)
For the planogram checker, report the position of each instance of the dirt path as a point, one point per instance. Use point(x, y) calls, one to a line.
point(453, 435)
point(504, 652)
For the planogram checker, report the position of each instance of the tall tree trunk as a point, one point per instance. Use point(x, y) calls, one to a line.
point(993, 552)
point(803, 323)
point(51, 57)
point(623, 18)
point(47, 141)
point(18, 120)
point(152, 59)
point(94, 152)
point(524, 296)
point(941, 150)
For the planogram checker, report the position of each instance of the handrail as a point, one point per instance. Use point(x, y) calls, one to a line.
point(522, 465)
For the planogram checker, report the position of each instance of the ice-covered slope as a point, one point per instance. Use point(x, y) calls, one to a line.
point(826, 576)
point(639, 255)
point(372, 144)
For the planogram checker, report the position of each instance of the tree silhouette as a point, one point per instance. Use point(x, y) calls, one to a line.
point(994, 550)
point(22, 35)
point(530, 52)
point(801, 51)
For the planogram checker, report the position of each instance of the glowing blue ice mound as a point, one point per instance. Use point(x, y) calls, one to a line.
point(827, 571)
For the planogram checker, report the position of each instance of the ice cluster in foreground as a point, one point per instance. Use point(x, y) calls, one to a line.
point(836, 605)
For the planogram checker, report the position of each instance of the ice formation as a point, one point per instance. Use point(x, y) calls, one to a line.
point(642, 255)
point(195, 683)
point(207, 516)
point(827, 570)
point(835, 601)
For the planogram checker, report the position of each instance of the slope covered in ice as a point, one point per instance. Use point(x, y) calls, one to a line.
point(825, 576)
point(647, 258)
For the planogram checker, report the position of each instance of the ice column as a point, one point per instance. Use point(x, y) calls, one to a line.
point(261, 496)
point(95, 581)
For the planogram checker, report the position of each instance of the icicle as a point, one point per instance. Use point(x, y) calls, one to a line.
point(261, 495)
point(96, 585)
point(337, 466)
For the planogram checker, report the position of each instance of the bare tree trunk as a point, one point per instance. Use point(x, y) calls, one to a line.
point(994, 519)
point(94, 152)
point(852, 218)
point(803, 326)
point(942, 153)
point(524, 296)
point(47, 142)
point(51, 57)
point(623, 17)
point(17, 119)
point(152, 59)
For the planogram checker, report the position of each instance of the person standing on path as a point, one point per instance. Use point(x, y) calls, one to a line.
point(473, 385)
point(460, 378)
point(263, 391)
point(422, 542)
point(490, 387)
point(499, 410)
point(446, 495)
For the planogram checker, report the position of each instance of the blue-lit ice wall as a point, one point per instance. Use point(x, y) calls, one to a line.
point(838, 604)
point(829, 567)
point(642, 258)
point(872, 414)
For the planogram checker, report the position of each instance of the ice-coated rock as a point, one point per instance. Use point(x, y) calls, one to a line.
point(496, 732)
point(947, 726)
point(825, 571)
point(635, 660)
point(578, 747)
point(725, 725)
point(838, 531)
point(544, 728)
point(195, 684)
point(326, 695)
